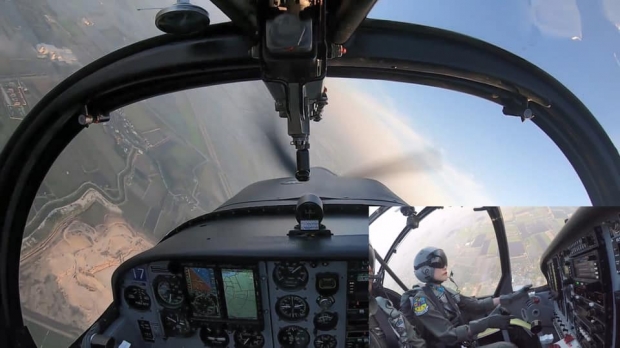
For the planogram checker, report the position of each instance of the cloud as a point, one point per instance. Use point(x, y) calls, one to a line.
point(612, 12)
point(372, 132)
point(557, 18)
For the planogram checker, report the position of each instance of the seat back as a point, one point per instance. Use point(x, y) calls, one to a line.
point(391, 295)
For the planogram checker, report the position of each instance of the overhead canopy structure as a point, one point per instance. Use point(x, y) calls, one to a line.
point(377, 49)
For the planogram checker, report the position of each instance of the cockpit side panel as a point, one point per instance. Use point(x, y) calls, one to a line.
point(582, 267)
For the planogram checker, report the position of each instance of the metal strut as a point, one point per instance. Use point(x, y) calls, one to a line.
point(293, 50)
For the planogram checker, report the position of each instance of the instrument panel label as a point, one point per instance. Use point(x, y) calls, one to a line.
point(139, 274)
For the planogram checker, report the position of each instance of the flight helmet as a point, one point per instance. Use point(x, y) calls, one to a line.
point(426, 261)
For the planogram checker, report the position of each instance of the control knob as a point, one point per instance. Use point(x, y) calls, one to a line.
point(325, 302)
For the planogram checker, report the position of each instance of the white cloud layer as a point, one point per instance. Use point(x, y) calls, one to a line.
point(372, 132)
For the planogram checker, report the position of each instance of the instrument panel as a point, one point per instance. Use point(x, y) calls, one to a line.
point(244, 282)
point(291, 304)
point(584, 281)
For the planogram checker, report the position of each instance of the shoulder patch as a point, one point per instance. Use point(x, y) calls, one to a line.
point(420, 306)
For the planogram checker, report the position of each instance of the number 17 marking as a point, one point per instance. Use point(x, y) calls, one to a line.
point(139, 274)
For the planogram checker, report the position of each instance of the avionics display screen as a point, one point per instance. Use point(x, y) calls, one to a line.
point(202, 289)
point(240, 293)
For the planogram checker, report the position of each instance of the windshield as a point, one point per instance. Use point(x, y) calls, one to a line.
point(119, 187)
point(449, 148)
point(576, 41)
point(469, 240)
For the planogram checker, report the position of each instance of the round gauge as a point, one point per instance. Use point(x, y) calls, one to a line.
point(176, 324)
point(290, 275)
point(137, 298)
point(293, 337)
point(248, 339)
point(325, 341)
point(169, 291)
point(205, 305)
point(325, 321)
point(214, 338)
point(292, 308)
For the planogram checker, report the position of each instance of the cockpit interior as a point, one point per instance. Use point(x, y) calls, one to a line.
point(247, 278)
point(582, 267)
point(578, 305)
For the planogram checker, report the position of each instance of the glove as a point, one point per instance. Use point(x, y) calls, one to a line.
point(493, 321)
point(506, 300)
point(498, 321)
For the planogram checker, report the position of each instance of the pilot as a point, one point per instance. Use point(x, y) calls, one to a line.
point(440, 312)
point(388, 327)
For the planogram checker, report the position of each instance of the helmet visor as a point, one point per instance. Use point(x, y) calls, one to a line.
point(438, 259)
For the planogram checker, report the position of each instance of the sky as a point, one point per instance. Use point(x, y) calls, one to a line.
point(514, 162)
point(470, 154)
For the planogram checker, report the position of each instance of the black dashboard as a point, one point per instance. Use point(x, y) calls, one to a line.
point(582, 266)
point(223, 284)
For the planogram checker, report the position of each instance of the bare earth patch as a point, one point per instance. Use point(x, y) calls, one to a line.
point(70, 281)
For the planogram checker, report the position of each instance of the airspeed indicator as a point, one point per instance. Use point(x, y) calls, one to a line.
point(290, 275)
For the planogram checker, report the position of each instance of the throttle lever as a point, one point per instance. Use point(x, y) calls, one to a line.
point(502, 311)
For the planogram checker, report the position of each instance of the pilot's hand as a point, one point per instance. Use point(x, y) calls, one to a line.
point(493, 321)
point(521, 294)
point(499, 310)
point(498, 321)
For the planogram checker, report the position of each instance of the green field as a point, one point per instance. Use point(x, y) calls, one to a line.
point(511, 229)
point(110, 163)
point(141, 118)
point(155, 192)
point(513, 238)
point(134, 210)
point(191, 123)
point(94, 214)
point(532, 246)
point(540, 212)
point(211, 193)
point(493, 251)
point(177, 163)
point(487, 229)
point(71, 27)
point(80, 153)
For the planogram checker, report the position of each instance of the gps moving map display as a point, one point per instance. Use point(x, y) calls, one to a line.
point(202, 289)
point(240, 294)
point(222, 293)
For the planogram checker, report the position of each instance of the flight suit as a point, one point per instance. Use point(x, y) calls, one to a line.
point(389, 328)
point(439, 312)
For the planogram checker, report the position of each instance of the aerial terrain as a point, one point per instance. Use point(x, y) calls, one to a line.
point(120, 186)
